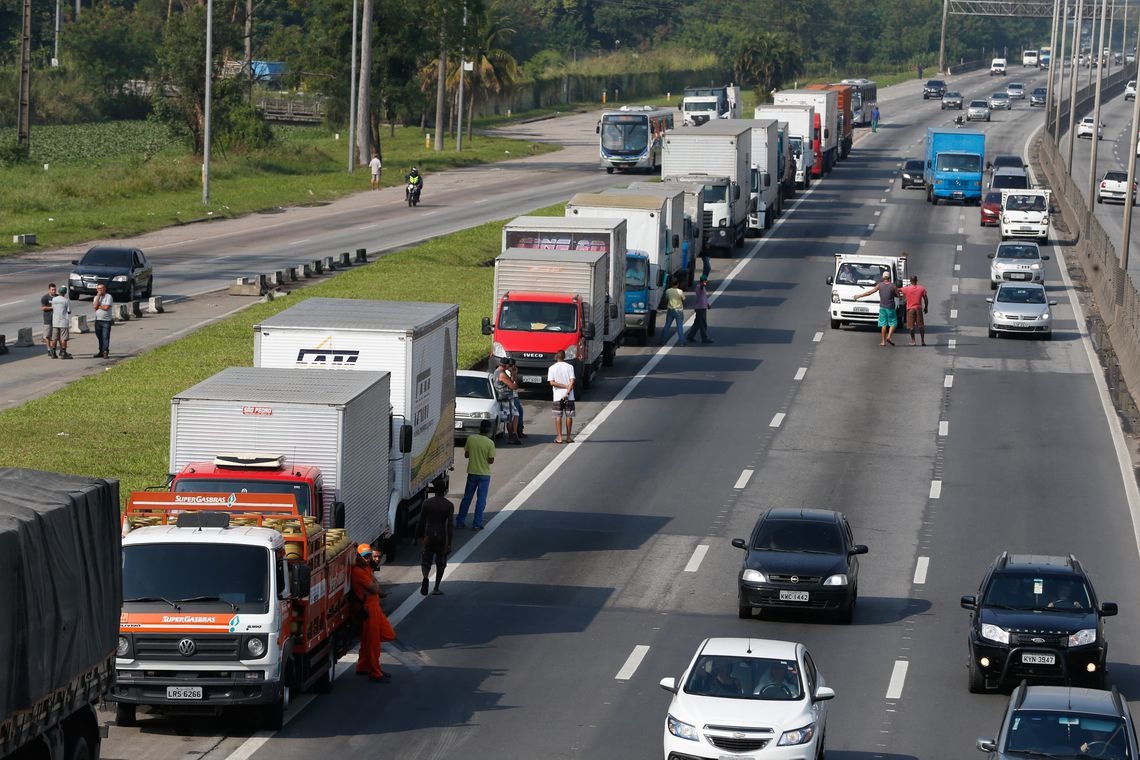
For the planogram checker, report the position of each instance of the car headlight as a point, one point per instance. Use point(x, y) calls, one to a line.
point(255, 647)
point(995, 633)
point(797, 736)
point(123, 647)
point(572, 352)
point(639, 305)
point(482, 415)
point(724, 222)
point(74, 276)
point(1080, 638)
point(498, 350)
point(1034, 266)
point(839, 579)
point(1044, 316)
point(1045, 221)
point(753, 576)
point(835, 296)
point(120, 278)
point(681, 730)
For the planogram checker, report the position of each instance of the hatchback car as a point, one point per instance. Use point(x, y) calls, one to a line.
point(978, 110)
point(952, 100)
point(1000, 101)
point(1006, 161)
point(991, 208)
point(747, 698)
point(800, 559)
point(126, 272)
point(1130, 90)
point(1017, 261)
point(1021, 308)
point(1009, 178)
point(1015, 90)
point(1060, 721)
point(934, 88)
point(1085, 128)
point(1114, 187)
point(912, 174)
point(475, 401)
point(1037, 97)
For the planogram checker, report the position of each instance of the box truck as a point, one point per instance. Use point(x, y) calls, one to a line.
point(826, 105)
point(763, 178)
point(702, 104)
point(801, 120)
point(694, 192)
point(845, 94)
point(787, 164)
point(717, 149)
point(955, 160)
point(676, 225)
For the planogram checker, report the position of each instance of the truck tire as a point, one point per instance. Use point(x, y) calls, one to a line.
point(324, 684)
point(126, 715)
point(76, 747)
point(273, 716)
point(609, 170)
point(767, 218)
point(609, 351)
point(651, 328)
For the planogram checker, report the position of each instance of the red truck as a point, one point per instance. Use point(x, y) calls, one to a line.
point(846, 115)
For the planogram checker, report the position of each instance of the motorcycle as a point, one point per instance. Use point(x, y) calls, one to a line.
point(960, 120)
point(412, 193)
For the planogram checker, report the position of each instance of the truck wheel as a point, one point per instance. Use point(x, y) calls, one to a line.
point(609, 170)
point(642, 338)
point(768, 218)
point(126, 715)
point(75, 747)
point(651, 329)
point(324, 684)
point(608, 354)
point(273, 716)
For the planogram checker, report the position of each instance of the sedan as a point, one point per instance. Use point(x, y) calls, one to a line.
point(991, 208)
point(475, 401)
point(979, 110)
point(912, 175)
point(1015, 90)
point(1000, 101)
point(126, 272)
point(1037, 97)
point(800, 559)
point(1021, 308)
point(1085, 128)
point(952, 100)
point(1114, 187)
point(934, 88)
point(1017, 261)
point(1005, 161)
point(740, 697)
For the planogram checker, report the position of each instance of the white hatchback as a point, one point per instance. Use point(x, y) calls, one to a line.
point(747, 698)
point(1085, 128)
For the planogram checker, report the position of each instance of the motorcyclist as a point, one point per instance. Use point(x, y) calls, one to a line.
point(414, 180)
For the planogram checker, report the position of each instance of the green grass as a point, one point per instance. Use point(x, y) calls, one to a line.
point(124, 179)
point(117, 424)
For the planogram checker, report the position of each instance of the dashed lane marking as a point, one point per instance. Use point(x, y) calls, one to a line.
point(631, 663)
point(695, 561)
point(800, 373)
point(777, 420)
point(818, 337)
point(951, 343)
point(948, 381)
point(742, 481)
point(943, 427)
point(920, 569)
point(898, 678)
point(936, 489)
point(953, 314)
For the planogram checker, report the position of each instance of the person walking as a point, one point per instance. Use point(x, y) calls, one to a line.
point(920, 71)
point(917, 304)
point(45, 307)
point(701, 312)
point(674, 311)
point(561, 379)
point(375, 629)
point(60, 322)
point(102, 304)
point(375, 166)
point(504, 387)
point(436, 522)
point(888, 317)
point(479, 451)
point(875, 118)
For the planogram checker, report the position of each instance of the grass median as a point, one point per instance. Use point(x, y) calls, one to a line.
point(117, 424)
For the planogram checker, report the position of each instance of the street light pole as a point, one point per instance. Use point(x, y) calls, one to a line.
point(352, 96)
point(209, 87)
point(942, 40)
point(462, 63)
point(1073, 82)
point(55, 45)
point(1126, 231)
point(1052, 48)
point(1059, 95)
point(1096, 114)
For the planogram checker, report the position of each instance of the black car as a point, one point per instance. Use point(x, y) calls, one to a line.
point(1036, 618)
point(952, 100)
point(1005, 161)
point(125, 271)
point(800, 559)
point(912, 175)
point(934, 88)
point(1037, 97)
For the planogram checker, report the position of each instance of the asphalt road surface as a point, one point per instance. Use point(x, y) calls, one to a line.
point(606, 562)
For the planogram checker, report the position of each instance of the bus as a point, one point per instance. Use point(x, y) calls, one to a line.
point(631, 137)
point(863, 99)
point(1044, 56)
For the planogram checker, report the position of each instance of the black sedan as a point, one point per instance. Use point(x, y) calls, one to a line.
point(800, 559)
point(126, 272)
point(911, 175)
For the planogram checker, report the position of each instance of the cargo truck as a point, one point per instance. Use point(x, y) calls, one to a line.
point(955, 160)
point(763, 178)
point(60, 565)
point(787, 164)
point(702, 104)
point(801, 120)
point(566, 233)
point(694, 213)
point(229, 600)
point(545, 302)
point(717, 149)
point(415, 343)
point(846, 122)
point(676, 221)
point(855, 273)
point(648, 245)
point(826, 105)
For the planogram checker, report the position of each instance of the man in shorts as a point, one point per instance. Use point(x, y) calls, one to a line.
point(45, 307)
point(888, 317)
point(917, 304)
point(60, 322)
point(561, 379)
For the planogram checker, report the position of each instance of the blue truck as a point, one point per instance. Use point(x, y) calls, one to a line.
point(955, 160)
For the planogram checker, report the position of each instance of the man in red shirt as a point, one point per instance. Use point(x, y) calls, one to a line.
point(917, 304)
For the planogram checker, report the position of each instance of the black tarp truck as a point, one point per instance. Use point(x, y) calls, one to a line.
point(60, 596)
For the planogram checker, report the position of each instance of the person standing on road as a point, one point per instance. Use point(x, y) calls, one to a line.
point(561, 379)
point(674, 311)
point(701, 312)
point(917, 304)
point(375, 629)
point(875, 118)
point(61, 322)
point(516, 402)
point(888, 316)
point(504, 387)
point(375, 166)
point(480, 453)
point(920, 71)
point(438, 531)
point(45, 307)
point(102, 304)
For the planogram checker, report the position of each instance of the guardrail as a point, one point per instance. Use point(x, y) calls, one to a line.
point(293, 111)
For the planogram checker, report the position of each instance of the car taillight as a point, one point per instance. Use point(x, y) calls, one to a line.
point(1103, 185)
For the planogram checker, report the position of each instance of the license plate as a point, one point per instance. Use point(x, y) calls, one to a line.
point(1025, 229)
point(183, 692)
point(1018, 276)
point(1038, 659)
point(458, 425)
point(793, 596)
point(862, 309)
point(532, 378)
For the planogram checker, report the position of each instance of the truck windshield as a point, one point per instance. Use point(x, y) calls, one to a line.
point(300, 491)
point(538, 316)
point(623, 134)
point(959, 162)
point(716, 193)
point(797, 146)
point(636, 274)
point(709, 105)
point(852, 273)
point(220, 576)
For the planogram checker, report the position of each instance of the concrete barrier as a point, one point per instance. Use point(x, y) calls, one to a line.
point(3, 345)
point(79, 324)
point(24, 338)
point(278, 278)
point(306, 271)
point(346, 259)
point(328, 264)
point(154, 305)
point(361, 256)
point(136, 309)
point(121, 312)
point(293, 274)
point(273, 295)
point(248, 286)
point(28, 238)
point(317, 266)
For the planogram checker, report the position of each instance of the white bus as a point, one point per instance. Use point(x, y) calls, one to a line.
point(863, 99)
point(1030, 58)
point(631, 137)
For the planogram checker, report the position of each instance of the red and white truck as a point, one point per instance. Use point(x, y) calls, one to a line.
point(845, 94)
point(826, 126)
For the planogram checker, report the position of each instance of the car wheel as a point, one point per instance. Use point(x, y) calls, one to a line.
point(743, 611)
point(993, 285)
point(1047, 336)
point(835, 323)
point(1099, 199)
point(977, 679)
point(149, 288)
point(993, 333)
point(125, 715)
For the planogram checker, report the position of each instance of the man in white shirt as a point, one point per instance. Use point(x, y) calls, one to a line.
point(374, 165)
point(561, 379)
point(102, 304)
point(60, 322)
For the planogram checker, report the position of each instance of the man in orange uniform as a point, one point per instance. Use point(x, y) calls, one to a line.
point(375, 627)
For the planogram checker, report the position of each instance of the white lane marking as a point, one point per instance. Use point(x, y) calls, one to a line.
point(800, 373)
point(878, 212)
point(953, 314)
point(954, 288)
point(882, 200)
point(961, 231)
point(862, 243)
point(695, 561)
point(948, 381)
point(368, 226)
point(742, 481)
point(936, 489)
point(635, 658)
point(961, 217)
point(898, 678)
point(952, 343)
point(959, 249)
point(11, 303)
point(777, 420)
point(943, 427)
point(957, 267)
point(870, 228)
point(298, 242)
point(818, 337)
point(920, 569)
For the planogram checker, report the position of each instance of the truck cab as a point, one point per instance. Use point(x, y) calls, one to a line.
point(954, 165)
point(640, 314)
point(531, 327)
point(855, 274)
point(265, 474)
point(1025, 214)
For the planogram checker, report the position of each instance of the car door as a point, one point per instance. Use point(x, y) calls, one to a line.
point(813, 680)
point(140, 270)
point(853, 559)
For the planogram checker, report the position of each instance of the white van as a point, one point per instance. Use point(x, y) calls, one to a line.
point(1030, 58)
point(997, 66)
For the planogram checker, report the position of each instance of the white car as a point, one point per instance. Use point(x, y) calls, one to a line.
point(747, 698)
point(1130, 90)
point(1085, 128)
point(1114, 187)
point(475, 401)
point(1017, 261)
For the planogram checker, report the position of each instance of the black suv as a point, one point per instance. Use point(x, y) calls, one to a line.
point(800, 559)
point(934, 88)
point(1036, 618)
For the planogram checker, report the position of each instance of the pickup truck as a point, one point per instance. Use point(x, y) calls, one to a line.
point(1025, 213)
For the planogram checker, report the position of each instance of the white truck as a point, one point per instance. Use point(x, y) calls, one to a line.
point(854, 274)
point(826, 105)
point(1025, 213)
point(801, 136)
point(565, 233)
point(764, 179)
point(416, 343)
point(694, 212)
point(676, 222)
point(717, 149)
point(703, 104)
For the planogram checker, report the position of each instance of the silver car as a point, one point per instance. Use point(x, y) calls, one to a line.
point(1015, 90)
point(979, 110)
point(1021, 308)
point(1017, 261)
point(475, 401)
point(1000, 100)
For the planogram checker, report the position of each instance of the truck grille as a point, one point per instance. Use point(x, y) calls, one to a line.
point(206, 647)
point(708, 219)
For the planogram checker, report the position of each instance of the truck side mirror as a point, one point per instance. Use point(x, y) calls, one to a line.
point(299, 578)
point(660, 278)
point(405, 439)
point(588, 332)
point(613, 311)
point(830, 280)
point(676, 241)
point(767, 179)
point(487, 326)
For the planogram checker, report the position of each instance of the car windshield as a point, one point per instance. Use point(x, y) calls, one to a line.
point(472, 387)
point(1016, 87)
point(1017, 251)
point(224, 574)
point(1116, 176)
point(810, 536)
point(538, 316)
point(1062, 733)
point(107, 257)
point(959, 162)
point(978, 104)
point(745, 678)
point(859, 274)
point(912, 166)
point(936, 83)
point(1020, 294)
point(1039, 91)
point(999, 96)
point(1025, 203)
point(1006, 161)
point(1038, 592)
point(951, 95)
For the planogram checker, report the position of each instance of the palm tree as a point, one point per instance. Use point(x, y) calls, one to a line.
point(495, 69)
point(768, 59)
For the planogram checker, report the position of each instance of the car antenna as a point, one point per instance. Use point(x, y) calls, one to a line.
point(749, 645)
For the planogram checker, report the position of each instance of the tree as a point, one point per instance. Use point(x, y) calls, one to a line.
point(768, 60)
point(495, 69)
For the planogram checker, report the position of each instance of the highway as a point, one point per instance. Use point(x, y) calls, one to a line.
point(606, 562)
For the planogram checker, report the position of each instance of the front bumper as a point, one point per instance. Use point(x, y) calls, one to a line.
point(1006, 666)
point(677, 748)
point(1016, 275)
point(849, 312)
point(1026, 326)
point(119, 291)
point(637, 320)
point(1034, 230)
point(820, 598)
point(219, 688)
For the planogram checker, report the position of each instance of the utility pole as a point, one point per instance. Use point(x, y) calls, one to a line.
point(55, 45)
point(209, 90)
point(364, 88)
point(1052, 50)
point(1096, 113)
point(1059, 61)
point(1073, 82)
point(24, 109)
point(352, 96)
point(942, 42)
point(462, 64)
point(1126, 231)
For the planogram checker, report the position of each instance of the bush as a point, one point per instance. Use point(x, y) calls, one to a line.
point(12, 153)
point(245, 128)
